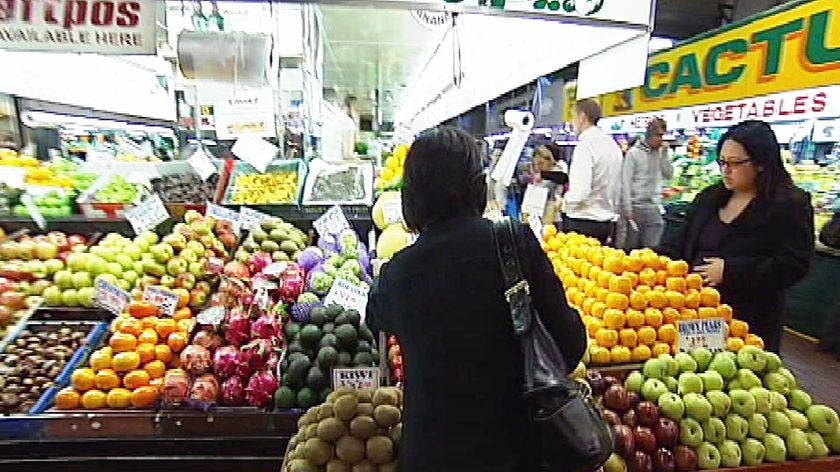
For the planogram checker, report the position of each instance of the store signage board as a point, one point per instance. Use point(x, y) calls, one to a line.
point(364, 378)
point(255, 151)
point(709, 333)
point(147, 215)
point(332, 222)
point(247, 113)
point(88, 26)
point(110, 297)
point(348, 295)
point(164, 299)
point(792, 47)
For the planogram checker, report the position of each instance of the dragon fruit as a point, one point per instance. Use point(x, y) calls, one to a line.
point(205, 388)
point(176, 385)
point(291, 283)
point(310, 257)
point(233, 392)
point(224, 361)
point(208, 339)
point(253, 356)
point(267, 326)
point(260, 389)
point(259, 261)
point(196, 359)
point(238, 328)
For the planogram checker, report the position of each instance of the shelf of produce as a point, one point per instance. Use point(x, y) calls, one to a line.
point(828, 464)
point(71, 314)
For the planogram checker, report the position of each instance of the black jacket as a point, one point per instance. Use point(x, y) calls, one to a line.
point(767, 250)
point(443, 298)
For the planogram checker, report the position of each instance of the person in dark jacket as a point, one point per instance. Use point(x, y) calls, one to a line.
point(444, 298)
point(751, 236)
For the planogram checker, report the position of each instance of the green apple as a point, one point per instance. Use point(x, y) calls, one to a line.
point(691, 432)
point(689, 382)
point(708, 456)
point(154, 268)
point(633, 382)
point(125, 261)
point(714, 431)
point(133, 251)
point(64, 279)
point(734, 384)
point(176, 266)
point(38, 286)
point(167, 281)
point(797, 419)
point(800, 400)
point(195, 247)
point(737, 428)
point(686, 362)
point(97, 265)
point(723, 365)
point(742, 402)
point(652, 389)
point(141, 243)
point(778, 400)
point(748, 379)
point(188, 255)
point(817, 444)
point(52, 296)
point(697, 407)
point(86, 295)
point(54, 265)
point(774, 362)
point(615, 464)
point(721, 403)
point(752, 358)
point(150, 237)
point(70, 297)
point(763, 404)
point(833, 441)
point(758, 425)
point(778, 423)
point(791, 378)
point(198, 269)
point(671, 383)
point(798, 445)
point(115, 269)
point(753, 452)
point(137, 267)
point(110, 278)
point(655, 369)
point(712, 380)
point(777, 383)
point(82, 280)
point(130, 276)
point(672, 406)
point(78, 261)
point(110, 254)
point(162, 252)
point(702, 356)
point(730, 454)
point(99, 249)
point(823, 419)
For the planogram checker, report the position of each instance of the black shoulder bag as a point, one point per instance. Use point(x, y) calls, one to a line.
point(566, 427)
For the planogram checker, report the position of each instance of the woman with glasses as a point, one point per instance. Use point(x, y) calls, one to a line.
point(752, 235)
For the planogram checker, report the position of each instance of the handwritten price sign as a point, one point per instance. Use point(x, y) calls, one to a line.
point(248, 218)
point(221, 213)
point(148, 214)
point(162, 298)
point(351, 297)
point(709, 333)
point(331, 222)
point(110, 297)
point(366, 378)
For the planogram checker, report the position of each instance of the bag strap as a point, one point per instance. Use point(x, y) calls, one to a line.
point(517, 289)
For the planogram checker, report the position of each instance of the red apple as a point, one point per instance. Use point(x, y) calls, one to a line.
point(76, 240)
point(611, 418)
point(5, 315)
point(667, 432)
point(645, 440)
point(14, 300)
point(623, 441)
point(611, 380)
point(630, 418)
point(648, 413)
point(615, 398)
point(634, 399)
point(686, 458)
point(228, 239)
point(596, 382)
point(7, 285)
point(64, 255)
point(663, 460)
point(640, 462)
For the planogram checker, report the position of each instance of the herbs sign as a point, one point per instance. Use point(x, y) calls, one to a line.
point(709, 333)
point(366, 378)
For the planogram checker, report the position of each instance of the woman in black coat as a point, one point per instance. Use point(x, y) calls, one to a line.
point(751, 236)
point(443, 297)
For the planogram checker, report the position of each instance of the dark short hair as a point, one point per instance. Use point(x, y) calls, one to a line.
point(443, 179)
point(590, 109)
point(655, 126)
point(762, 147)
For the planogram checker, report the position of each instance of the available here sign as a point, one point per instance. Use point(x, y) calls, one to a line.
point(100, 26)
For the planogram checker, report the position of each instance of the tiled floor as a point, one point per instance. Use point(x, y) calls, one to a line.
point(818, 373)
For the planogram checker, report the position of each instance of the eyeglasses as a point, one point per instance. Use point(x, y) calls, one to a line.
point(731, 163)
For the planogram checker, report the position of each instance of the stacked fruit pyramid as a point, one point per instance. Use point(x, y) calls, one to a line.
point(355, 430)
point(631, 303)
point(700, 410)
point(129, 372)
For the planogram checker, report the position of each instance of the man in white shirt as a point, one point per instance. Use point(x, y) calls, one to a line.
point(592, 203)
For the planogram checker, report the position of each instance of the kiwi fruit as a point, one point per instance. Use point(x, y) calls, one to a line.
point(331, 429)
point(325, 411)
point(364, 466)
point(336, 465)
point(385, 396)
point(386, 415)
point(318, 451)
point(311, 431)
point(362, 427)
point(302, 465)
point(364, 396)
point(350, 449)
point(396, 433)
point(380, 450)
point(389, 467)
point(364, 409)
point(345, 407)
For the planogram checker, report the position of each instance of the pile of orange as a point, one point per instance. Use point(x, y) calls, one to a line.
point(129, 371)
point(631, 303)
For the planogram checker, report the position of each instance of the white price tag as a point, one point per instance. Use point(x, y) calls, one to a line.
point(201, 164)
point(255, 151)
point(34, 211)
point(533, 202)
point(249, 217)
point(162, 298)
point(224, 214)
point(365, 378)
point(13, 176)
point(332, 221)
point(148, 214)
point(211, 316)
point(392, 210)
point(350, 296)
point(535, 223)
point(709, 333)
point(110, 297)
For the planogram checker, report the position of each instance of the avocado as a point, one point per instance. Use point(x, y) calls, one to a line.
point(328, 339)
point(354, 318)
point(344, 359)
point(333, 311)
point(327, 357)
point(347, 336)
point(289, 247)
point(318, 317)
point(328, 327)
point(278, 235)
point(292, 328)
point(298, 370)
point(269, 246)
point(297, 355)
point(316, 378)
point(319, 312)
point(307, 397)
point(310, 335)
point(285, 397)
point(366, 334)
point(363, 346)
point(295, 346)
point(362, 359)
point(284, 366)
point(342, 319)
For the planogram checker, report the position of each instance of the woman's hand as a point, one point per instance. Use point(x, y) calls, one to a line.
point(712, 270)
